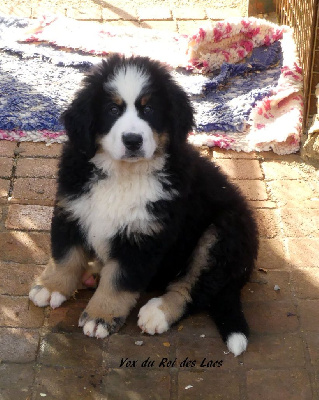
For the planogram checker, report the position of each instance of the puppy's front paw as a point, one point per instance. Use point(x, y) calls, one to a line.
point(100, 327)
point(151, 318)
point(42, 297)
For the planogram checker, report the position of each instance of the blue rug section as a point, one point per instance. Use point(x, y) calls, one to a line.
point(37, 82)
point(224, 101)
point(33, 93)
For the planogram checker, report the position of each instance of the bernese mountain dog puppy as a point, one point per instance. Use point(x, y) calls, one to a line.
point(139, 202)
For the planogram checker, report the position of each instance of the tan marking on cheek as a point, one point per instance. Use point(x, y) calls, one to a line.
point(161, 140)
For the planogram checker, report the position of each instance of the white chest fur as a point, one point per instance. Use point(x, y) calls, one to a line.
point(118, 203)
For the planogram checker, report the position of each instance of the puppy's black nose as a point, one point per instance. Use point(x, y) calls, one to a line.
point(132, 141)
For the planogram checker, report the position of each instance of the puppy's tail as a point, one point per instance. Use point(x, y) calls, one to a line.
point(226, 311)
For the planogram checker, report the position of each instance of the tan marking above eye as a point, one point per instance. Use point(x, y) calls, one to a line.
point(145, 99)
point(117, 100)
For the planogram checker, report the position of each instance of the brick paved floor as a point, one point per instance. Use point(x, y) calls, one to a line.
point(43, 353)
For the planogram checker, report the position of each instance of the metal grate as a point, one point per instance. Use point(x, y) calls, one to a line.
point(302, 16)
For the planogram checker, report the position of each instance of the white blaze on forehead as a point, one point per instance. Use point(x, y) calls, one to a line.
point(128, 82)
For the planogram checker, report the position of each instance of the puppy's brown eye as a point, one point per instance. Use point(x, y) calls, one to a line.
point(147, 110)
point(114, 110)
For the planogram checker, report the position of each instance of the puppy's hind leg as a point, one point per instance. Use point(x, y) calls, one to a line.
point(61, 277)
point(59, 280)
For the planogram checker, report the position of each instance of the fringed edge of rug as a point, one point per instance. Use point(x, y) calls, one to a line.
point(33, 136)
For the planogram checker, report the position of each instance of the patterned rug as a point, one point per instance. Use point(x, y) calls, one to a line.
point(242, 76)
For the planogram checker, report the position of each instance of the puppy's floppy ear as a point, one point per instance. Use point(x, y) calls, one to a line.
point(79, 122)
point(181, 113)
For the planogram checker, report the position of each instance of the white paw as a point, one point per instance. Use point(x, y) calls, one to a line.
point(151, 318)
point(42, 297)
point(93, 329)
point(98, 327)
point(237, 343)
point(56, 299)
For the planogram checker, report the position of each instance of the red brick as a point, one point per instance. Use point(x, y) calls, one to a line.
point(7, 148)
point(261, 286)
point(292, 384)
point(282, 170)
point(85, 10)
point(272, 255)
point(16, 279)
point(31, 217)
point(223, 153)
point(20, 9)
point(16, 381)
point(17, 312)
point(271, 351)
point(303, 253)
point(271, 317)
point(223, 13)
point(309, 314)
point(4, 188)
point(113, 12)
point(72, 351)
point(68, 384)
point(196, 325)
point(186, 12)
point(151, 384)
point(253, 189)
point(40, 8)
point(37, 168)
point(262, 204)
point(191, 27)
point(29, 149)
point(24, 247)
point(291, 191)
point(66, 317)
point(213, 385)
point(270, 155)
point(297, 224)
point(312, 340)
point(18, 345)
point(34, 191)
point(240, 169)
point(268, 222)
point(154, 13)
point(6, 164)
point(305, 283)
